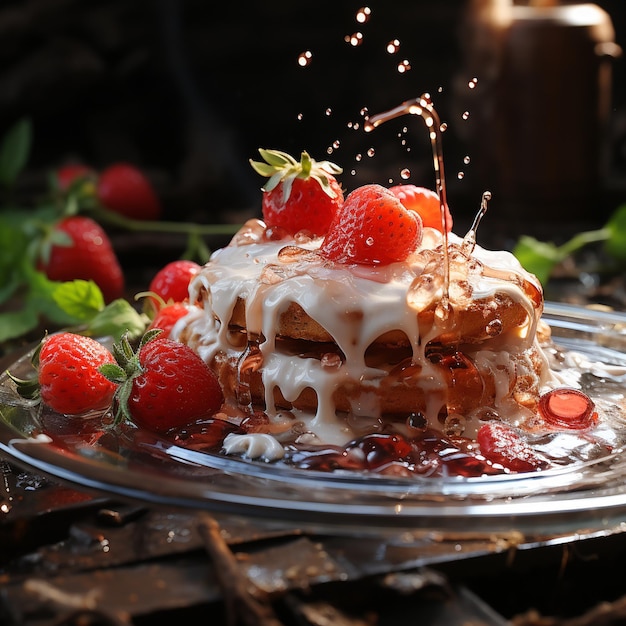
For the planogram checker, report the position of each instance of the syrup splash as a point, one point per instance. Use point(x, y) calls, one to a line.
point(423, 107)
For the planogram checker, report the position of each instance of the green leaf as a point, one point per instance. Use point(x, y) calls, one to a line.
point(14, 151)
point(82, 299)
point(117, 318)
point(615, 245)
point(14, 324)
point(537, 257)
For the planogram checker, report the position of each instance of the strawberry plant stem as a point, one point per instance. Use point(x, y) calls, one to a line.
point(185, 228)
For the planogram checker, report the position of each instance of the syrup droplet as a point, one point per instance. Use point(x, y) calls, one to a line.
point(405, 173)
point(393, 46)
point(472, 83)
point(356, 39)
point(465, 115)
point(328, 112)
point(404, 66)
point(363, 15)
point(567, 408)
point(371, 152)
point(466, 160)
point(304, 58)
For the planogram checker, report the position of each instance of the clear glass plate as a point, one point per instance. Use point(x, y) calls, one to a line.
point(140, 465)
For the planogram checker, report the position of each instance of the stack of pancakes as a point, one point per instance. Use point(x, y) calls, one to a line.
point(286, 330)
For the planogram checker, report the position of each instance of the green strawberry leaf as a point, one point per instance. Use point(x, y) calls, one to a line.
point(615, 245)
point(537, 257)
point(82, 299)
point(116, 319)
point(14, 151)
point(15, 324)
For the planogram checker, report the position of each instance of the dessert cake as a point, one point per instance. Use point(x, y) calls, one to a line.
point(336, 328)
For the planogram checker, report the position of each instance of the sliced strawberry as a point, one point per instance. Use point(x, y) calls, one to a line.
point(301, 195)
point(501, 444)
point(124, 189)
point(372, 228)
point(425, 202)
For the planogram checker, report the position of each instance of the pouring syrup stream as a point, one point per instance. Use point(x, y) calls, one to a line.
point(423, 107)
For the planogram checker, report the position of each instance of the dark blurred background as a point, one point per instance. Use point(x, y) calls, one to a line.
point(188, 90)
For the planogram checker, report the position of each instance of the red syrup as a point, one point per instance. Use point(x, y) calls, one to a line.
point(430, 454)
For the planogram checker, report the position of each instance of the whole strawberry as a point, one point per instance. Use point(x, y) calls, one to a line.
point(123, 188)
point(164, 385)
point(68, 374)
point(425, 202)
point(67, 175)
point(171, 282)
point(83, 250)
point(372, 228)
point(167, 316)
point(301, 195)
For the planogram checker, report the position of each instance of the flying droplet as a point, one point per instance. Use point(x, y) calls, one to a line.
point(336, 144)
point(328, 111)
point(304, 58)
point(358, 157)
point(465, 115)
point(364, 111)
point(443, 127)
point(356, 39)
point(461, 175)
point(466, 160)
point(371, 152)
point(393, 46)
point(405, 174)
point(363, 15)
point(472, 83)
point(403, 67)
point(300, 116)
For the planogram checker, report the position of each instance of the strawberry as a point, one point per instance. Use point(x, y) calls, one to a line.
point(163, 385)
point(425, 202)
point(167, 316)
point(501, 444)
point(68, 374)
point(124, 189)
point(171, 282)
point(66, 175)
point(301, 195)
point(372, 228)
point(83, 250)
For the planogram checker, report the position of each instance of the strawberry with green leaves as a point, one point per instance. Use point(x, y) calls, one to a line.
point(68, 378)
point(426, 203)
point(81, 249)
point(163, 385)
point(299, 195)
point(372, 228)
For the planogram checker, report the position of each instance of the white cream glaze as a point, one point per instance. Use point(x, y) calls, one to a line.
point(384, 298)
